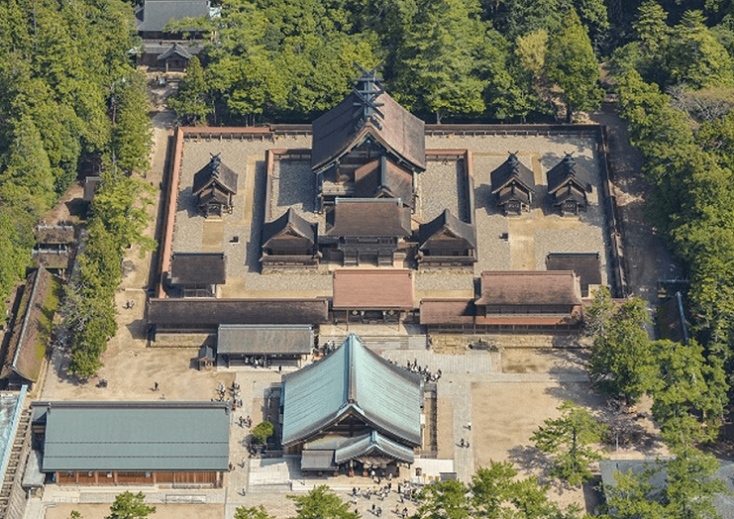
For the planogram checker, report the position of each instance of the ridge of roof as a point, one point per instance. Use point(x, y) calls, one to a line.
point(447, 220)
point(512, 171)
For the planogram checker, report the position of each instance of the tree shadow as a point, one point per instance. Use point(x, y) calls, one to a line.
point(530, 460)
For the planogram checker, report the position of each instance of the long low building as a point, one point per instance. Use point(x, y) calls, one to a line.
point(260, 345)
point(132, 443)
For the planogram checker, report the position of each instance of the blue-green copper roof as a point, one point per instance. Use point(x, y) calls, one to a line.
point(352, 381)
point(370, 444)
point(136, 436)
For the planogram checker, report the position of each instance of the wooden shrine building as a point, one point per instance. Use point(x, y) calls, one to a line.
point(366, 231)
point(132, 443)
point(535, 298)
point(263, 345)
point(289, 241)
point(367, 146)
point(372, 296)
point(513, 185)
point(174, 59)
point(197, 274)
point(568, 184)
point(214, 186)
point(352, 412)
point(446, 241)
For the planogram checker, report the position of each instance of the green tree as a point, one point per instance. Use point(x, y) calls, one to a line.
point(242, 512)
point(695, 57)
point(322, 503)
point(262, 431)
point(572, 66)
point(443, 500)
point(620, 362)
point(681, 393)
point(130, 506)
point(190, 102)
point(679, 488)
point(440, 58)
point(569, 438)
point(498, 494)
point(132, 130)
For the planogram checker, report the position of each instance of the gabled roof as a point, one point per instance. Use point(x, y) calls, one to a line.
point(289, 222)
point(568, 172)
point(155, 14)
point(449, 225)
point(198, 268)
point(368, 112)
point(512, 171)
point(382, 289)
point(215, 172)
point(382, 177)
point(175, 50)
point(138, 436)
point(567, 192)
point(513, 192)
point(357, 217)
point(90, 187)
point(352, 381)
point(529, 287)
point(371, 444)
point(261, 339)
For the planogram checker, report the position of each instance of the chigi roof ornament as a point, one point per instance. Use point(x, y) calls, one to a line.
point(367, 89)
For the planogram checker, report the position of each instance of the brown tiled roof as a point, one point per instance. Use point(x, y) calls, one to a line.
point(529, 287)
point(568, 172)
point(373, 289)
point(198, 268)
point(585, 265)
point(512, 171)
point(382, 175)
point(25, 355)
point(207, 313)
point(337, 132)
point(289, 221)
point(449, 223)
point(215, 172)
point(368, 217)
point(447, 311)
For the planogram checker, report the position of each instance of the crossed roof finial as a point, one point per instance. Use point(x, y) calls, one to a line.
point(367, 89)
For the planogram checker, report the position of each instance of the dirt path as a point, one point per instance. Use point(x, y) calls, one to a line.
point(648, 259)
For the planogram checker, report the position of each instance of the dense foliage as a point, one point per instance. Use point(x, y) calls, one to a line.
point(68, 93)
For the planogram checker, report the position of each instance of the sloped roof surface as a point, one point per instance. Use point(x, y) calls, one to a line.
point(585, 265)
point(339, 130)
point(513, 192)
point(175, 50)
point(352, 380)
point(357, 217)
point(569, 191)
point(55, 233)
point(565, 172)
point(373, 288)
point(201, 268)
point(213, 312)
point(373, 443)
point(529, 287)
point(447, 311)
point(136, 436)
point(383, 175)
point(264, 339)
point(290, 220)
point(449, 222)
point(155, 14)
point(24, 357)
point(217, 172)
point(512, 171)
